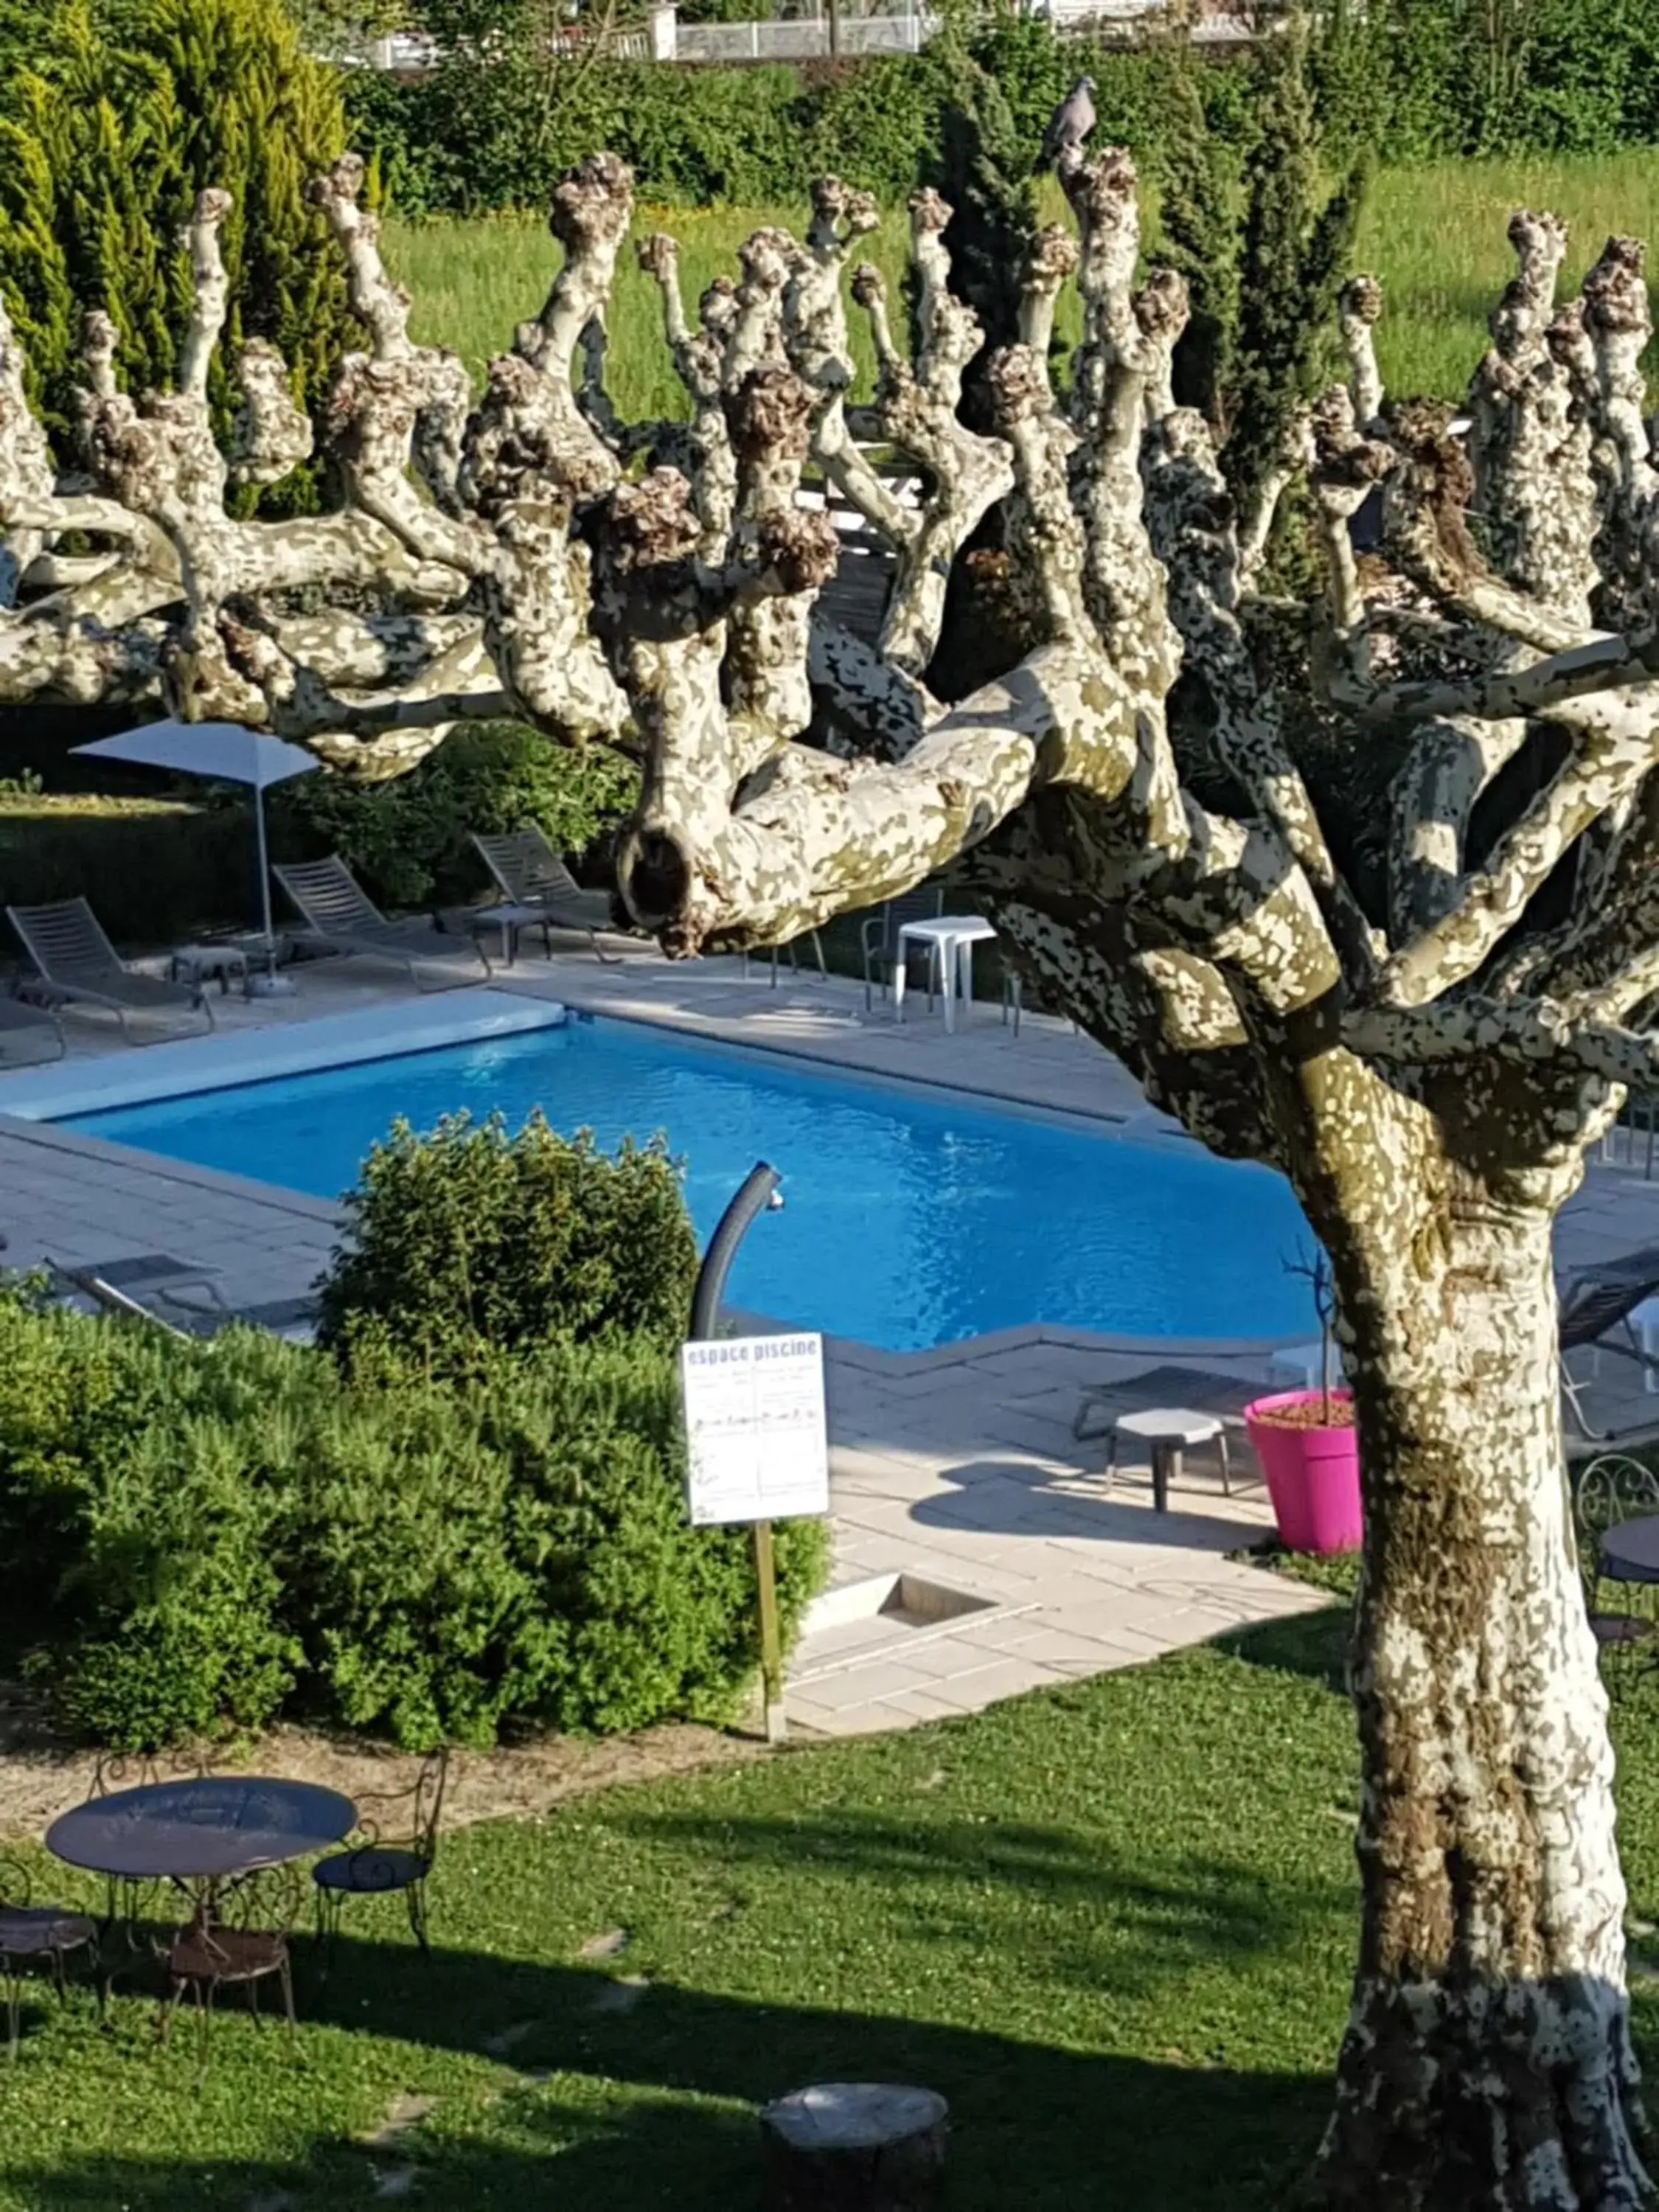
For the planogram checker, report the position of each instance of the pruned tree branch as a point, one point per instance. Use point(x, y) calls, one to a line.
point(500, 552)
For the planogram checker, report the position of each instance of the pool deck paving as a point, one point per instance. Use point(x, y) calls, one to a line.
point(979, 1551)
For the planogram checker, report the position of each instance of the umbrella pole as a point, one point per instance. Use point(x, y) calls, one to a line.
point(265, 877)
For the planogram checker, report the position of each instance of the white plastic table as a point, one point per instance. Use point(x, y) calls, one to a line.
point(950, 939)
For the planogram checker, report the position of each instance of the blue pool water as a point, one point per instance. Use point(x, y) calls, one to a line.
point(908, 1222)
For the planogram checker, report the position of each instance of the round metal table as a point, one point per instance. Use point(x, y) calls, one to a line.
point(204, 1832)
point(1630, 1551)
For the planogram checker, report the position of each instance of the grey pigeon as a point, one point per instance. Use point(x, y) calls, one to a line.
point(1071, 122)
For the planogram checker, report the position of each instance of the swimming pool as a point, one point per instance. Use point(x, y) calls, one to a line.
point(909, 1221)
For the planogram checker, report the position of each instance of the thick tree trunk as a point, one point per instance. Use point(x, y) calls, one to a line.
point(1487, 2060)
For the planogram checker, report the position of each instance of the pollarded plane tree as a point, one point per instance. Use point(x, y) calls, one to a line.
point(1414, 993)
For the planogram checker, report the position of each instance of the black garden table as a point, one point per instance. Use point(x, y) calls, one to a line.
point(200, 1835)
point(1630, 1551)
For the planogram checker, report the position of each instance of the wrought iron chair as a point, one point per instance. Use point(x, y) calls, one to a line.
point(37, 1934)
point(243, 1944)
point(125, 1896)
point(141, 1770)
point(398, 1851)
point(1612, 1488)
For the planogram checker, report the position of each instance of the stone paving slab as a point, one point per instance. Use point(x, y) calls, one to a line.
point(957, 1465)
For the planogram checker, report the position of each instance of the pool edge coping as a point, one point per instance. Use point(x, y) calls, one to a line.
point(109, 1083)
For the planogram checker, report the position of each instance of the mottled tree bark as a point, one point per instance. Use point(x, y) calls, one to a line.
point(1487, 2061)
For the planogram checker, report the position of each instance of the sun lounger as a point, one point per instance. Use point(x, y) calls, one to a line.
point(1595, 1310)
point(532, 876)
point(72, 954)
point(153, 1286)
point(28, 1033)
point(340, 917)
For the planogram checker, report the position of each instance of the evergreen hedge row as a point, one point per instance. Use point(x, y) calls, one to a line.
point(1412, 79)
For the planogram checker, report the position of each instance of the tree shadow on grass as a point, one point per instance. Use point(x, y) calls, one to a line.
point(584, 2092)
point(1312, 1644)
point(1042, 2131)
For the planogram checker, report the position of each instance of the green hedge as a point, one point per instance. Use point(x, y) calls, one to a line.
point(201, 1538)
point(1414, 79)
point(155, 871)
point(463, 138)
point(159, 871)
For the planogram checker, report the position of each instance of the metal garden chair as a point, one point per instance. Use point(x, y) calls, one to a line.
point(398, 1850)
point(1612, 1488)
point(879, 940)
point(38, 1936)
point(243, 1944)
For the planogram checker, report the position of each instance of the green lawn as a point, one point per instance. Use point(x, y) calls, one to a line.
point(1434, 235)
point(1113, 1924)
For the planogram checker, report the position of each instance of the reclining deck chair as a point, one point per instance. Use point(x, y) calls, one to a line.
point(340, 917)
point(531, 875)
point(72, 954)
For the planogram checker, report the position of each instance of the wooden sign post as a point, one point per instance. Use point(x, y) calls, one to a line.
point(766, 1579)
point(757, 1450)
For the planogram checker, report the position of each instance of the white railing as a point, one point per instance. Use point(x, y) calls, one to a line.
point(806, 38)
point(1114, 19)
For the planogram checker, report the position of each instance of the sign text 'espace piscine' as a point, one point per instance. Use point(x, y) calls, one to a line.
point(754, 1419)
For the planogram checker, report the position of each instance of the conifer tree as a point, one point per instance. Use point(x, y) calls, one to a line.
point(1296, 248)
point(1200, 221)
point(107, 132)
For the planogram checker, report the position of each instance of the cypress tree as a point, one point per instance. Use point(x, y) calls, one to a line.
point(1296, 245)
point(108, 131)
point(1198, 215)
point(983, 169)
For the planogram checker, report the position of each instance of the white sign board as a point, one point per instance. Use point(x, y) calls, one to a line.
point(754, 1422)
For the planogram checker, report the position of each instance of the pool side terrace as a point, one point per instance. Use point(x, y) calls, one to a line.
point(955, 1469)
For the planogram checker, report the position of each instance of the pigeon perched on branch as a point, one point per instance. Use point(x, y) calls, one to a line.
point(1071, 122)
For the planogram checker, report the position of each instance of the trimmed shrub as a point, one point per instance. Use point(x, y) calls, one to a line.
point(208, 1536)
point(139, 1511)
point(471, 1238)
point(493, 132)
point(1412, 79)
point(107, 132)
point(156, 870)
point(409, 838)
point(519, 1549)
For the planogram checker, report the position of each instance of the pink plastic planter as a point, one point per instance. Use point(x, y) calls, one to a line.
point(1313, 1476)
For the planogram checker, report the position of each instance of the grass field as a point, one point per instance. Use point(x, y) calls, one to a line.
point(1434, 236)
point(1112, 1923)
